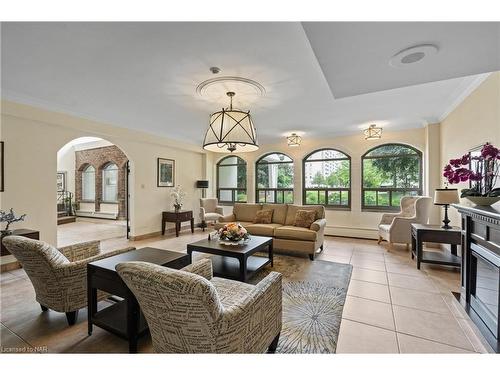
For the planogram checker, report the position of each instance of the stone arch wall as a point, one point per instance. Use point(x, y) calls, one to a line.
point(100, 157)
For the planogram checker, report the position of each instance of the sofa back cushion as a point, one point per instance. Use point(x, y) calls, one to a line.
point(292, 211)
point(279, 212)
point(263, 216)
point(246, 211)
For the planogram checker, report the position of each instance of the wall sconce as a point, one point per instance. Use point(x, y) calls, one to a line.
point(294, 140)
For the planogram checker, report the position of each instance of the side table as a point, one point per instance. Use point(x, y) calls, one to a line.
point(421, 233)
point(176, 217)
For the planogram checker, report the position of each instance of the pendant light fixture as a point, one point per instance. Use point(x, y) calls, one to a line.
point(230, 130)
point(373, 132)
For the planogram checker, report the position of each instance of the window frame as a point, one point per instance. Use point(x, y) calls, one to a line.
point(234, 191)
point(275, 191)
point(390, 191)
point(84, 173)
point(327, 189)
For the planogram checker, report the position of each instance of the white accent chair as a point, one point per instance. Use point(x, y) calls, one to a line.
point(209, 210)
point(396, 227)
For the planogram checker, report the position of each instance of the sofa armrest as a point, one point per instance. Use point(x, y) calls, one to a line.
point(227, 218)
point(81, 251)
point(219, 210)
point(318, 225)
point(202, 268)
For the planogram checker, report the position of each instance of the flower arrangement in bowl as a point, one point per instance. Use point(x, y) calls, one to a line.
point(232, 234)
point(481, 170)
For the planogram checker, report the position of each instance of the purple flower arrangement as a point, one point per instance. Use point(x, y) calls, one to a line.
point(482, 171)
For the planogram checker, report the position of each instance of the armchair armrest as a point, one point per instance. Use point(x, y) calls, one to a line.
point(219, 210)
point(262, 309)
point(318, 225)
point(202, 213)
point(81, 251)
point(202, 268)
point(387, 218)
point(227, 218)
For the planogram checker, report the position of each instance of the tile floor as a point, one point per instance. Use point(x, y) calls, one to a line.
point(391, 306)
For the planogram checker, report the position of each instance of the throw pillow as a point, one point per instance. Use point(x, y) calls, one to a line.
point(263, 217)
point(304, 218)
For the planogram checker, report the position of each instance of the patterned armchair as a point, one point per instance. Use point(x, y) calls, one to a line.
point(396, 227)
point(209, 210)
point(59, 276)
point(190, 311)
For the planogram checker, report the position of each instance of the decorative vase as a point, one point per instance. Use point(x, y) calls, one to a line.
point(5, 232)
point(177, 207)
point(483, 201)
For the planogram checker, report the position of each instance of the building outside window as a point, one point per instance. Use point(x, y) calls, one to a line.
point(232, 180)
point(327, 179)
point(110, 183)
point(88, 183)
point(390, 172)
point(274, 179)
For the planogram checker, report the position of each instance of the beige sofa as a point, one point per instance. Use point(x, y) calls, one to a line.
point(285, 235)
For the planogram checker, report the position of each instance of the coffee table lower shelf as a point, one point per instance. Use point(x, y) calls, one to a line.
point(229, 267)
point(114, 319)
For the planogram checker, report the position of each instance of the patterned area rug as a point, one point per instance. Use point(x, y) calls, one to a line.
point(313, 299)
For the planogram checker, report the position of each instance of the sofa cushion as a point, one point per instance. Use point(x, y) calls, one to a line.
point(279, 212)
point(263, 217)
point(246, 211)
point(292, 211)
point(295, 233)
point(304, 218)
point(262, 229)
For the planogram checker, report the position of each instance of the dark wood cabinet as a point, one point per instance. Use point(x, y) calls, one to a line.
point(29, 233)
point(176, 217)
point(480, 289)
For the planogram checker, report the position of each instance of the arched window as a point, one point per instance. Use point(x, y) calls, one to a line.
point(327, 178)
point(110, 183)
point(232, 180)
point(88, 183)
point(390, 172)
point(274, 179)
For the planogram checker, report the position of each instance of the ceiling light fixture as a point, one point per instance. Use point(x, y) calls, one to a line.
point(373, 132)
point(294, 140)
point(413, 55)
point(230, 130)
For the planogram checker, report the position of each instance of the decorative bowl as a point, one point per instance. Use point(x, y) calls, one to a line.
point(232, 243)
point(483, 201)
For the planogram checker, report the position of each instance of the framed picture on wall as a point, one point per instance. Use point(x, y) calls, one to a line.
point(61, 181)
point(1, 166)
point(166, 172)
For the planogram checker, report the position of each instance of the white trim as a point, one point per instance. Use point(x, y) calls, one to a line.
point(463, 92)
point(335, 230)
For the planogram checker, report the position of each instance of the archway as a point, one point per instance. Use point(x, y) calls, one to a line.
point(92, 191)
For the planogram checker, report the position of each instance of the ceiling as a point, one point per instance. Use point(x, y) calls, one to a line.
point(322, 79)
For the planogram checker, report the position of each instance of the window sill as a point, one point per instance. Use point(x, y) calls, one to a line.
point(380, 209)
point(86, 201)
point(110, 202)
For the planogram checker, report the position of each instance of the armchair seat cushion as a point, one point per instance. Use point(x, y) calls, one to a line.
point(231, 292)
point(384, 228)
point(212, 216)
point(262, 229)
point(295, 233)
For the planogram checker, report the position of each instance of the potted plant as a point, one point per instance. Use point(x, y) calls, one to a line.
point(177, 195)
point(482, 171)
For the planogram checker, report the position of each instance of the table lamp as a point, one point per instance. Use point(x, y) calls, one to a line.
point(445, 197)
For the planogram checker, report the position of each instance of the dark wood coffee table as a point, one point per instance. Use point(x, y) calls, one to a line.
point(124, 318)
point(235, 262)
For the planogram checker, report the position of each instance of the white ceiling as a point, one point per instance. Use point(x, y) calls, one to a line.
point(144, 75)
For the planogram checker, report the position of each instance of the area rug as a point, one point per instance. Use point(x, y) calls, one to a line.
point(313, 299)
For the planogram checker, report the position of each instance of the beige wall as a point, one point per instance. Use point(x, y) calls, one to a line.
point(32, 138)
point(474, 122)
point(346, 223)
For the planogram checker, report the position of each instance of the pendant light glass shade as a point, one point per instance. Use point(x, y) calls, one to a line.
point(230, 130)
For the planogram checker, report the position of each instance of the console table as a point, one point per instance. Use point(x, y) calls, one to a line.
point(28, 233)
point(176, 217)
point(421, 233)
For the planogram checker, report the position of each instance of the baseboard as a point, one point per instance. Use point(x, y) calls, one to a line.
point(368, 233)
point(156, 234)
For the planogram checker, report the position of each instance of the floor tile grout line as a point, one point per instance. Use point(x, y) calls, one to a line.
point(392, 311)
point(15, 334)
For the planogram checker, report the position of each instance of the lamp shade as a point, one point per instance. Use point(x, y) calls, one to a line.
point(446, 196)
point(202, 184)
